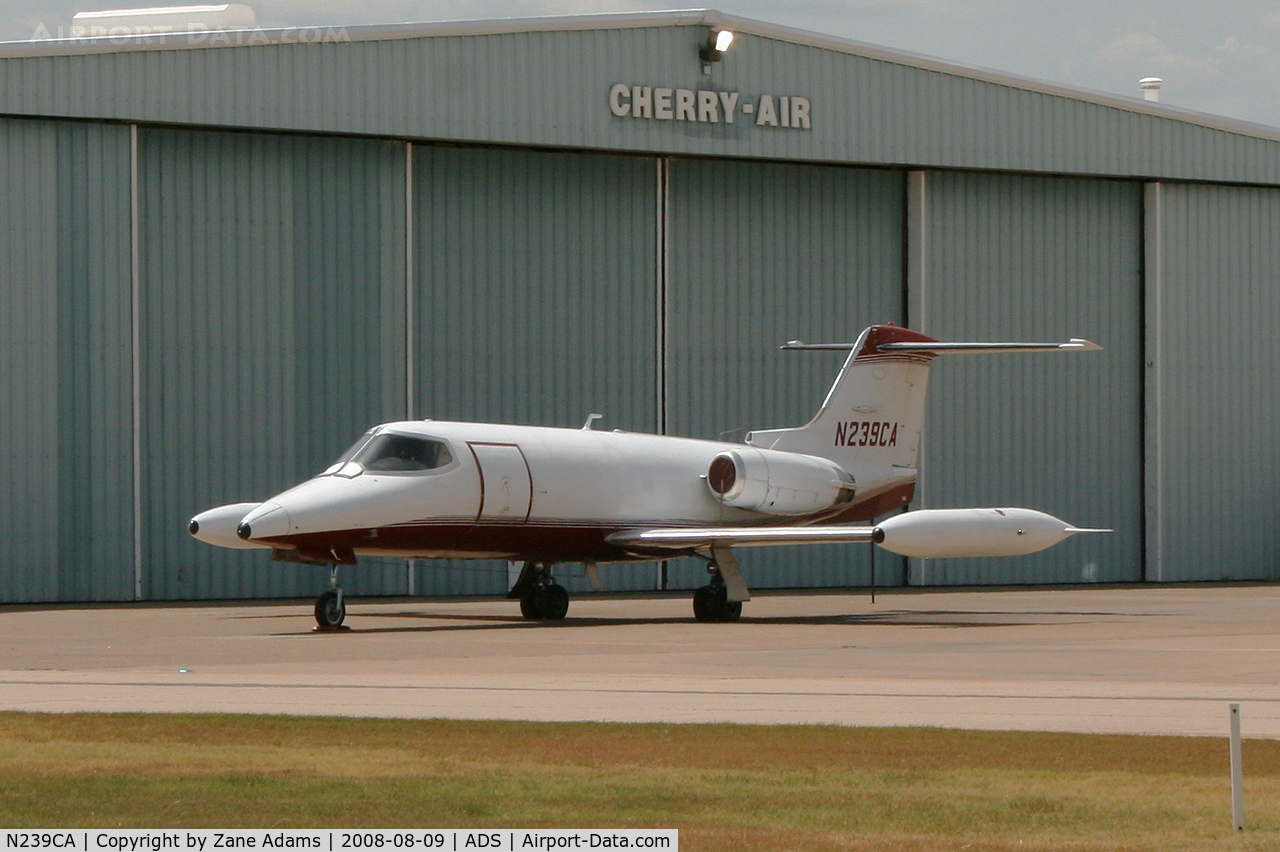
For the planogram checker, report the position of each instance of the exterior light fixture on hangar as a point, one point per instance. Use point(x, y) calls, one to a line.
point(228, 253)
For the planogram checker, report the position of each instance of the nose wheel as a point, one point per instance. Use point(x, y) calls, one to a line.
point(541, 598)
point(331, 607)
point(545, 603)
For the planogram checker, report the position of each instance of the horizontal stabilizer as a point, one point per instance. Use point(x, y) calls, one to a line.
point(1078, 344)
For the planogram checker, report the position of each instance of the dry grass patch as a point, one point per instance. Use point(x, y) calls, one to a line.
point(723, 786)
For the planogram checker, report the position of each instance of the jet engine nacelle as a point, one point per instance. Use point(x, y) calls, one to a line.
point(778, 483)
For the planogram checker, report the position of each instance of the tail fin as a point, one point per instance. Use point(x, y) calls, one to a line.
point(874, 413)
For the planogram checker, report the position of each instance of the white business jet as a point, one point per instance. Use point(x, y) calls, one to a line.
point(545, 496)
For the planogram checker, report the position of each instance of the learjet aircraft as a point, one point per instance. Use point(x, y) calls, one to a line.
point(546, 496)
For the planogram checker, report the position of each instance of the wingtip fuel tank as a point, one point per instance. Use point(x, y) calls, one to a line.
point(218, 525)
point(938, 533)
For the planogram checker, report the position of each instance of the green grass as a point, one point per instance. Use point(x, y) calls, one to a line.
point(723, 786)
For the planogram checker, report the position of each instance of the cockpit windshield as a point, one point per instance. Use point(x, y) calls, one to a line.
point(392, 452)
point(352, 450)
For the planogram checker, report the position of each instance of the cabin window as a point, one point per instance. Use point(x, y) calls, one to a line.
point(392, 452)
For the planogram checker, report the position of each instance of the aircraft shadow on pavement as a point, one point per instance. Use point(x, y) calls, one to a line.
point(436, 622)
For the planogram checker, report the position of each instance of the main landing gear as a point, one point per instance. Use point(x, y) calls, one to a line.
point(712, 601)
point(331, 607)
point(541, 598)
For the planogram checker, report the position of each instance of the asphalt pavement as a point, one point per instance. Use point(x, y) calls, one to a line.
point(1148, 660)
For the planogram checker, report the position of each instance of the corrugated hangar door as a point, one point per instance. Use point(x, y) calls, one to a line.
point(66, 507)
point(534, 303)
point(1025, 258)
point(272, 333)
point(757, 254)
point(1214, 465)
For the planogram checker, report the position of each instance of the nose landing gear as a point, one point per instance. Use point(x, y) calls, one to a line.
point(331, 607)
point(545, 603)
point(541, 598)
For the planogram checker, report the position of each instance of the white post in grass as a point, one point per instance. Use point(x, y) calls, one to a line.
point(1237, 772)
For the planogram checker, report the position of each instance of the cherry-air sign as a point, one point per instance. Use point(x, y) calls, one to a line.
point(709, 106)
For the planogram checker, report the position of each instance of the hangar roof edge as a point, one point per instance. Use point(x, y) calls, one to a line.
point(627, 20)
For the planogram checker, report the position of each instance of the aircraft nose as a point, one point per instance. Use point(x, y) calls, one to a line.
point(267, 521)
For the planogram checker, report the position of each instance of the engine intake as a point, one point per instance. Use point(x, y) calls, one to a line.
point(778, 483)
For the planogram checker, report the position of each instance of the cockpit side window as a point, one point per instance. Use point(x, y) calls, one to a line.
point(392, 452)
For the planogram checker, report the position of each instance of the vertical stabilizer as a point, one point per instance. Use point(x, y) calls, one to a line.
point(874, 412)
point(871, 421)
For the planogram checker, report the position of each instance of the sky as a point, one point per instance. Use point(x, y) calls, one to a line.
point(1219, 58)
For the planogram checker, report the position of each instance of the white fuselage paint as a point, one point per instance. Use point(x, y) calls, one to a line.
point(518, 492)
point(428, 488)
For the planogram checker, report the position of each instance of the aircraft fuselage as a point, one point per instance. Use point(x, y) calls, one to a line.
point(543, 495)
point(513, 492)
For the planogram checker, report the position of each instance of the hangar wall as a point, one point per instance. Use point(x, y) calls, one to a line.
point(275, 273)
point(760, 254)
point(536, 302)
point(1213, 464)
point(29, 331)
point(1035, 258)
point(94, 358)
point(547, 85)
point(271, 330)
point(66, 512)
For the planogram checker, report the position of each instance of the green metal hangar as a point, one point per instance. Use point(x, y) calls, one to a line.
point(225, 255)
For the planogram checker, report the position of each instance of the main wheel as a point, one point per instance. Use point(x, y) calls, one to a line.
point(730, 610)
point(331, 609)
point(712, 604)
point(704, 604)
point(531, 603)
point(555, 602)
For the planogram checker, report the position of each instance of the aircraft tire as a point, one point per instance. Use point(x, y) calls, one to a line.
point(331, 610)
point(531, 604)
point(710, 604)
point(704, 604)
point(730, 610)
point(555, 602)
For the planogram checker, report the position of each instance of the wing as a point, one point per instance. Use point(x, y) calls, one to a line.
point(720, 541)
point(924, 533)
point(665, 539)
